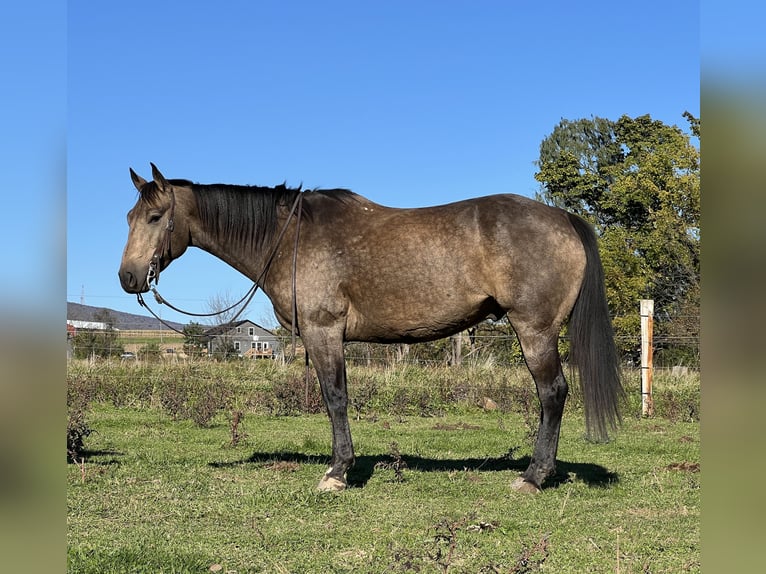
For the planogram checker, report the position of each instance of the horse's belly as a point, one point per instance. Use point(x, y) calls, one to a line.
point(417, 318)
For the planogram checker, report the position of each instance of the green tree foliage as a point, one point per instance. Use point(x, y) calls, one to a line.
point(195, 340)
point(225, 350)
point(637, 180)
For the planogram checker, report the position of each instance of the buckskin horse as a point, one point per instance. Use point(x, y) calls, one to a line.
point(338, 267)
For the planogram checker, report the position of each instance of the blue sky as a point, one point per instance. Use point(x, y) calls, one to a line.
point(408, 103)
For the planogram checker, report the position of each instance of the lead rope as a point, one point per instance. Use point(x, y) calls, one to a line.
point(294, 319)
point(154, 267)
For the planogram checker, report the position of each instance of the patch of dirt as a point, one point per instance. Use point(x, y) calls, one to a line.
point(454, 427)
point(684, 466)
point(283, 466)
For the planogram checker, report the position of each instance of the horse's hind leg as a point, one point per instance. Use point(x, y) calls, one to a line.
point(542, 358)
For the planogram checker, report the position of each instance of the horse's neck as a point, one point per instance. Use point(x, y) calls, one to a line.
point(250, 262)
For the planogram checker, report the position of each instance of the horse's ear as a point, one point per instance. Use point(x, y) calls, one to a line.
point(138, 181)
point(159, 179)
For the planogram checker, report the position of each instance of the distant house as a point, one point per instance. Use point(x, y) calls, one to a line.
point(245, 338)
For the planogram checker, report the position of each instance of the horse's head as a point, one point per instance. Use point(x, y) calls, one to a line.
point(158, 232)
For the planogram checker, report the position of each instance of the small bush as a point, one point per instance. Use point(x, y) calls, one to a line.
point(526, 403)
point(295, 395)
point(678, 405)
point(79, 396)
point(207, 400)
point(362, 393)
point(197, 399)
point(150, 353)
point(173, 398)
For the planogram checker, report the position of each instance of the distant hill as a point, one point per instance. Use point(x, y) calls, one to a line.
point(123, 321)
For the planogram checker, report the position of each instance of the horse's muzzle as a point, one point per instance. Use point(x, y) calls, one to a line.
point(131, 283)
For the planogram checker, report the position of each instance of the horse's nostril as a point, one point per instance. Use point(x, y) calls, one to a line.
point(127, 279)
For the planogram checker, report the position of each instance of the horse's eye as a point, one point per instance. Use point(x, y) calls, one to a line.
point(155, 217)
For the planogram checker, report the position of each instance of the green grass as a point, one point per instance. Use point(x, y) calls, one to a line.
point(162, 495)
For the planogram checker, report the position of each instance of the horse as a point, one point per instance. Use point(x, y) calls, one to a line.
point(338, 267)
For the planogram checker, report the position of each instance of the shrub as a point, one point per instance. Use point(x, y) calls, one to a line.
point(150, 352)
point(295, 395)
point(200, 391)
point(362, 393)
point(207, 400)
point(678, 405)
point(526, 403)
point(79, 396)
point(198, 399)
point(173, 398)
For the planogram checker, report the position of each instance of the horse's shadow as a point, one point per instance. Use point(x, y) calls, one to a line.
point(594, 475)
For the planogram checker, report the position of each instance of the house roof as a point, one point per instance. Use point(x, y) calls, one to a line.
point(228, 327)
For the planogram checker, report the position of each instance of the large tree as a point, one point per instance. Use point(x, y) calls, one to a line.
point(637, 180)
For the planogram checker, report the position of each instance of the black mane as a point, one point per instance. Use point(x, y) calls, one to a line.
point(242, 214)
point(247, 215)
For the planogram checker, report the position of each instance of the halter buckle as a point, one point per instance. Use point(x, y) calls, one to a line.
point(152, 276)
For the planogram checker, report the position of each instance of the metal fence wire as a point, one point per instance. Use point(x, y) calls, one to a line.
point(487, 343)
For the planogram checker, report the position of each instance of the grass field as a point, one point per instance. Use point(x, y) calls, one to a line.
point(157, 492)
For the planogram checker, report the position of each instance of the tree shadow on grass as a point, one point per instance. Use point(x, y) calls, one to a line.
point(594, 475)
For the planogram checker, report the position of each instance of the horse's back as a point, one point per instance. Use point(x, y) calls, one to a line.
point(422, 273)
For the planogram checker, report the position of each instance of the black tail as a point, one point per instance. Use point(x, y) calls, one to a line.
point(592, 343)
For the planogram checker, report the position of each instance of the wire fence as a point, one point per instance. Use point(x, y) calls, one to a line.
point(489, 343)
point(669, 352)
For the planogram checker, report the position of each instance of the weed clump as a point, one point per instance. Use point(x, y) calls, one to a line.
point(291, 395)
point(198, 400)
point(235, 428)
point(79, 395)
point(397, 462)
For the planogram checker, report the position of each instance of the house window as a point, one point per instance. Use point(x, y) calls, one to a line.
point(239, 330)
point(236, 345)
point(254, 345)
point(251, 331)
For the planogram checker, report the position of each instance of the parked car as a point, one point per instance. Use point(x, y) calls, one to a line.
point(127, 356)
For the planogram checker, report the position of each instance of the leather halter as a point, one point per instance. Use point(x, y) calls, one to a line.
point(155, 265)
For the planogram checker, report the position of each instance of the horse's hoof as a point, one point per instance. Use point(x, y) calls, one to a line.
point(330, 484)
point(521, 485)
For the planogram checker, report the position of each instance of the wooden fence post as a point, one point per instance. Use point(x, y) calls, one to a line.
point(457, 348)
point(647, 327)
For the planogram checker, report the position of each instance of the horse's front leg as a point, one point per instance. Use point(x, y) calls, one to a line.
point(325, 348)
